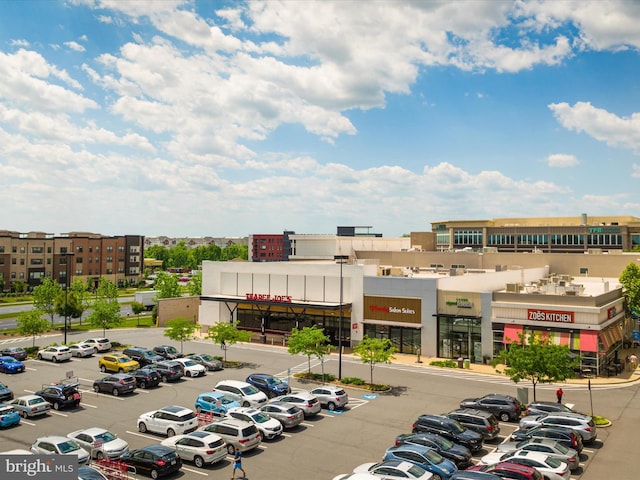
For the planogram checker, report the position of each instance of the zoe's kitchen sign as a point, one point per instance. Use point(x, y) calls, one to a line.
point(549, 316)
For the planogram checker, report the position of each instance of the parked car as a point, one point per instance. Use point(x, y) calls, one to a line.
point(542, 445)
point(504, 407)
point(582, 424)
point(268, 427)
point(63, 395)
point(458, 454)
point(146, 377)
point(101, 344)
point(302, 399)
point(5, 393)
point(212, 364)
point(55, 353)
point(9, 416)
point(143, 356)
point(99, 442)
point(11, 365)
point(469, 475)
point(331, 397)
point(564, 436)
point(18, 353)
point(30, 405)
point(117, 362)
point(288, 415)
point(86, 472)
point(538, 408)
point(217, 403)
point(198, 447)
point(448, 428)
point(551, 467)
point(394, 469)
point(168, 421)
point(167, 351)
point(82, 350)
point(481, 421)
point(356, 476)
point(508, 470)
point(115, 384)
point(59, 445)
point(238, 434)
point(153, 460)
point(425, 457)
point(169, 370)
point(245, 393)
point(190, 368)
point(270, 385)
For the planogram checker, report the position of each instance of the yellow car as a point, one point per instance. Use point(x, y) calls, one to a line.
point(117, 362)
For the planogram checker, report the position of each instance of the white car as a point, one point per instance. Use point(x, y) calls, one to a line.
point(59, 445)
point(101, 344)
point(268, 427)
point(551, 468)
point(99, 442)
point(82, 350)
point(168, 421)
point(246, 394)
point(191, 368)
point(304, 400)
point(331, 397)
point(198, 447)
point(394, 469)
point(55, 353)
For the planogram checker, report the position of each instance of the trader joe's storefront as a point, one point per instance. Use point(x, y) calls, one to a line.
point(396, 318)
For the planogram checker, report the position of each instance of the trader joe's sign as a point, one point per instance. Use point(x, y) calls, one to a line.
point(549, 316)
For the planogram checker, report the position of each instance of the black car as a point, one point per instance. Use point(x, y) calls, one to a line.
point(449, 428)
point(481, 421)
point(458, 454)
point(18, 353)
point(504, 407)
point(168, 370)
point(115, 384)
point(167, 351)
point(61, 395)
point(90, 473)
point(146, 377)
point(562, 435)
point(270, 385)
point(5, 393)
point(143, 356)
point(153, 460)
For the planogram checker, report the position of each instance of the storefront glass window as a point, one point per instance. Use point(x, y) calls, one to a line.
point(460, 337)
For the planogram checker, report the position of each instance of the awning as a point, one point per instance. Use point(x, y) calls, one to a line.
point(609, 336)
point(511, 333)
point(588, 341)
point(393, 324)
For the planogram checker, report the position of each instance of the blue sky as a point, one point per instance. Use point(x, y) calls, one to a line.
point(215, 118)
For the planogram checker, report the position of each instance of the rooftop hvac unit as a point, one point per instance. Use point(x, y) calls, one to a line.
point(562, 283)
point(501, 268)
point(513, 287)
point(544, 281)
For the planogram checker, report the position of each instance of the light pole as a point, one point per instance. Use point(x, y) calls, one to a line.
point(341, 259)
point(66, 293)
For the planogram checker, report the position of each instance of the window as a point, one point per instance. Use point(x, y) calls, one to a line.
point(14, 249)
point(1, 248)
point(22, 250)
point(109, 259)
point(36, 261)
point(13, 261)
point(37, 250)
point(48, 249)
point(78, 259)
point(22, 261)
point(121, 248)
point(109, 249)
point(79, 249)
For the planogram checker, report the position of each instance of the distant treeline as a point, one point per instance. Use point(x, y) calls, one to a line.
point(182, 256)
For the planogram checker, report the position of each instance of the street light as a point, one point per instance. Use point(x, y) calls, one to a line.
point(341, 259)
point(67, 255)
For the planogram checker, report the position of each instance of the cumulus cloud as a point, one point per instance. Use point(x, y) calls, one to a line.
point(562, 160)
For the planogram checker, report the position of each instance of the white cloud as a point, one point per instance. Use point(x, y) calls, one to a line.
point(562, 160)
point(75, 46)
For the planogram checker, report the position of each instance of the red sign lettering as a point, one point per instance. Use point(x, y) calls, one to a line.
point(265, 297)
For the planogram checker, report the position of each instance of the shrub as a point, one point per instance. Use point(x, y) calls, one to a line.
point(353, 381)
point(444, 363)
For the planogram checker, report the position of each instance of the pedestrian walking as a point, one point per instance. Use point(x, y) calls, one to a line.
point(237, 465)
point(559, 394)
point(634, 361)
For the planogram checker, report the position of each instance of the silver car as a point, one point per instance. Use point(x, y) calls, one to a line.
point(30, 405)
point(549, 447)
point(99, 442)
point(304, 400)
point(288, 415)
point(268, 427)
point(582, 424)
point(331, 397)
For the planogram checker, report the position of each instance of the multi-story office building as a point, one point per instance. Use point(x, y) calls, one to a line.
point(31, 257)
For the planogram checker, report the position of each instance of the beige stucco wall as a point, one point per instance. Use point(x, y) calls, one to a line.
point(182, 307)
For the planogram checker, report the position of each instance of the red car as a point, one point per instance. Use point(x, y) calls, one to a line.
point(509, 471)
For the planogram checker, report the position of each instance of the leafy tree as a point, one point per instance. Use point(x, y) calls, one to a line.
point(106, 309)
point(44, 297)
point(630, 280)
point(18, 286)
point(227, 334)
point(32, 323)
point(167, 286)
point(137, 308)
point(180, 329)
point(536, 359)
point(309, 341)
point(195, 285)
point(69, 304)
point(374, 351)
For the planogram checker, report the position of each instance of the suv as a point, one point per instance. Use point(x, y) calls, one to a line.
point(504, 407)
point(579, 423)
point(117, 362)
point(270, 385)
point(115, 384)
point(238, 434)
point(268, 427)
point(146, 377)
point(167, 351)
point(483, 422)
point(168, 370)
point(564, 436)
point(509, 470)
point(143, 356)
point(448, 428)
point(245, 393)
point(331, 397)
point(538, 408)
point(168, 421)
point(61, 395)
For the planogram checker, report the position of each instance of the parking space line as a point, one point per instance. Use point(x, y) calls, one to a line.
point(143, 435)
point(307, 424)
point(194, 471)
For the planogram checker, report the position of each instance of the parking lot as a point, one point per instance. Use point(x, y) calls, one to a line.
point(320, 448)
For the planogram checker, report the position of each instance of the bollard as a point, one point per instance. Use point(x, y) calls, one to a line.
point(418, 352)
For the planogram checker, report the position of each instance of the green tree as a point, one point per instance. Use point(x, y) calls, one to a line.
point(44, 297)
point(630, 280)
point(374, 351)
point(180, 329)
point(106, 308)
point(167, 286)
point(309, 341)
point(18, 286)
point(31, 323)
point(137, 308)
point(69, 305)
point(537, 360)
point(227, 334)
point(195, 285)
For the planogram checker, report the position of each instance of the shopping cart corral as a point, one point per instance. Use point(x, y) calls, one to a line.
point(113, 469)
